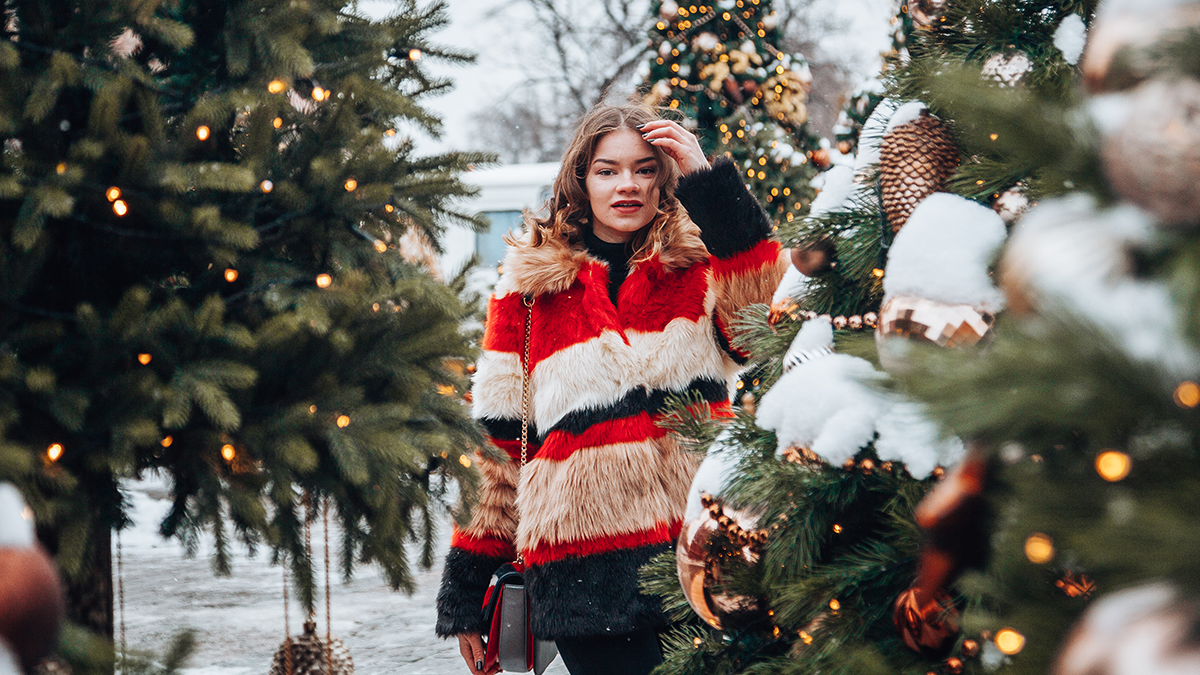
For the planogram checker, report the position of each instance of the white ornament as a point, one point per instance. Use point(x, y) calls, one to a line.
point(685, 70)
point(1011, 204)
point(1070, 38)
point(16, 520)
point(1007, 69)
point(669, 9)
point(664, 49)
point(770, 21)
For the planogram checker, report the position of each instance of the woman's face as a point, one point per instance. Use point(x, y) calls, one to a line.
point(622, 185)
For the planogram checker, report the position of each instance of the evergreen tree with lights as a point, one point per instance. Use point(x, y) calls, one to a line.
point(1059, 535)
point(717, 63)
point(202, 205)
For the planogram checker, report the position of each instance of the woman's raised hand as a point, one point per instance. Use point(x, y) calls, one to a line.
point(679, 143)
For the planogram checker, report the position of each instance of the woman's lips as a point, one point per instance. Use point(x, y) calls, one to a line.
point(627, 207)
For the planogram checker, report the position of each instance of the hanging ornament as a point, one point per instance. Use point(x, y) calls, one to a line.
point(1144, 629)
point(669, 9)
point(927, 13)
point(32, 603)
point(1153, 158)
point(953, 518)
point(918, 154)
point(927, 623)
point(814, 258)
point(720, 536)
point(1008, 68)
point(309, 655)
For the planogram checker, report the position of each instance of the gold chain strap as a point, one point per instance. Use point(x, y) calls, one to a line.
point(528, 301)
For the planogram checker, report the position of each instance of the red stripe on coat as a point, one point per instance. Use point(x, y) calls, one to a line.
point(513, 447)
point(560, 445)
point(652, 297)
point(572, 317)
point(494, 547)
point(764, 254)
point(659, 534)
point(504, 327)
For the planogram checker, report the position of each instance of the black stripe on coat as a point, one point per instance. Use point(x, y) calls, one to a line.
point(636, 401)
point(593, 595)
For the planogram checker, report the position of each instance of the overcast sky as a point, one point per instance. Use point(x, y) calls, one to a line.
point(497, 32)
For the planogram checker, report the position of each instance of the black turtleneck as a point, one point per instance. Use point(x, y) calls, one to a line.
point(616, 255)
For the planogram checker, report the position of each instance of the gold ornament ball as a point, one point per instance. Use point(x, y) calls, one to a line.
point(1153, 160)
point(926, 624)
point(701, 574)
point(814, 258)
point(970, 648)
point(954, 665)
point(845, 147)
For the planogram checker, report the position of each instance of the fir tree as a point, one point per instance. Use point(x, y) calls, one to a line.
point(201, 210)
point(718, 64)
point(1040, 403)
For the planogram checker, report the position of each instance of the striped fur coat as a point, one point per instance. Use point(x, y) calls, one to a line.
point(605, 487)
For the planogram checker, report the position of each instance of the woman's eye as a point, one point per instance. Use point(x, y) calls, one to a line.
point(649, 171)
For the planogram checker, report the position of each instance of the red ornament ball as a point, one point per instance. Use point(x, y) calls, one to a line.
point(32, 604)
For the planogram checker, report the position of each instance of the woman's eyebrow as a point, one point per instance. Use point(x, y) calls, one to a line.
point(613, 162)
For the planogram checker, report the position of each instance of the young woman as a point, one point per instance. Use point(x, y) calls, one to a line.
point(635, 277)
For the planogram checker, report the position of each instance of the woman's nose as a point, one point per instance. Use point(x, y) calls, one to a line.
point(627, 182)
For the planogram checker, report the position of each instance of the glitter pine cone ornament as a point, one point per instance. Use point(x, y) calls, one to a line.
point(308, 655)
point(918, 154)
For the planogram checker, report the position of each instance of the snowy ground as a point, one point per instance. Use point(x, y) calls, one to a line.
point(239, 620)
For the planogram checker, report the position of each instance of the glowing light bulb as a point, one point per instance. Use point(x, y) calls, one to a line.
point(312, 409)
point(389, 208)
point(835, 605)
point(166, 441)
point(994, 136)
point(266, 186)
point(464, 460)
point(228, 452)
point(877, 272)
point(1039, 548)
point(231, 275)
point(277, 122)
point(1187, 394)
point(120, 207)
point(697, 641)
point(203, 132)
point(380, 245)
point(837, 529)
point(390, 132)
point(343, 421)
point(144, 358)
point(1009, 641)
point(1113, 465)
point(414, 54)
point(276, 86)
point(319, 94)
point(61, 168)
point(351, 185)
point(113, 193)
point(54, 451)
point(375, 307)
point(323, 280)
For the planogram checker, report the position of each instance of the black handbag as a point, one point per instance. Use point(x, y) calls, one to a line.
point(510, 643)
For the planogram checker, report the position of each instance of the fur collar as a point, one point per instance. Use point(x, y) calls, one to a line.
point(554, 266)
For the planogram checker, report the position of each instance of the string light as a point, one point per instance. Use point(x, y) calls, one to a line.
point(144, 359)
point(805, 637)
point(343, 421)
point(465, 461)
point(54, 452)
point(202, 132)
point(276, 86)
point(380, 245)
point(323, 280)
point(877, 272)
point(1113, 465)
point(375, 307)
point(312, 409)
point(277, 122)
point(390, 132)
point(61, 168)
point(994, 136)
point(1009, 641)
point(414, 54)
point(113, 193)
point(1039, 548)
point(319, 94)
point(837, 529)
point(835, 605)
point(120, 207)
point(696, 641)
point(231, 275)
point(389, 208)
point(1187, 394)
point(351, 185)
point(166, 441)
point(228, 452)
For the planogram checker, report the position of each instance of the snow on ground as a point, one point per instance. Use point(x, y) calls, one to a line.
point(239, 619)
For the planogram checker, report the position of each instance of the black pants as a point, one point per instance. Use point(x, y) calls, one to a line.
point(634, 653)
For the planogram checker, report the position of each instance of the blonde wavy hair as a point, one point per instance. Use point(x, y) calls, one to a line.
point(569, 209)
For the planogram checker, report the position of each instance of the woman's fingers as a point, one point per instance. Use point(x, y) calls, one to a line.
point(677, 142)
point(471, 647)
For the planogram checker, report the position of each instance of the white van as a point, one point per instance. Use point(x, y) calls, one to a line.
point(504, 192)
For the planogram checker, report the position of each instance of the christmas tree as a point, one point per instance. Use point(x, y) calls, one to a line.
point(208, 218)
point(843, 531)
point(718, 65)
